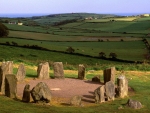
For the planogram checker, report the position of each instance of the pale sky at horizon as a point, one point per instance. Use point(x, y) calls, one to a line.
point(76, 6)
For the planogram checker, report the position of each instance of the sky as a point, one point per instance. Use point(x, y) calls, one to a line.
point(73, 6)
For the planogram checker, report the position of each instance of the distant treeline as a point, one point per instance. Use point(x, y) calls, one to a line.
point(65, 22)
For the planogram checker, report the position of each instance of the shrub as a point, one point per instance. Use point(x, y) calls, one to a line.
point(3, 30)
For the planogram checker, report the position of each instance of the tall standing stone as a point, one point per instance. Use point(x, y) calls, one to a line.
point(26, 93)
point(99, 94)
point(110, 90)
point(21, 73)
point(122, 86)
point(43, 70)
point(5, 68)
point(109, 75)
point(11, 85)
point(81, 72)
point(58, 70)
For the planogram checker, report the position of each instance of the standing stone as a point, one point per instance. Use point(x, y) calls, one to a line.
point(26, 93)
point(5, 68)
point(81, 72)
point(43, 70)
point(110, 90)
point(99, 94)
point(58, 70)
point(41, 92)
point(11, 85)
point(21, 73)
point(109, 75)
point(122, 86)
point(134, 104)
point(76, 101)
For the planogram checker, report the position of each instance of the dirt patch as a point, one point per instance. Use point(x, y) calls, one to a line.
point(64, 89)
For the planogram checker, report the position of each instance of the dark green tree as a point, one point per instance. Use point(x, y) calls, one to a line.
point(102, 55)
point(70, 50)
point(3, 30)
point(113, 55)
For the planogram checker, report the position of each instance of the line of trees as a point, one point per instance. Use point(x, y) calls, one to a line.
point(3, 30)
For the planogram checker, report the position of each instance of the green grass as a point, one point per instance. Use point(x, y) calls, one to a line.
point(127, 50)
point(114, 19)
point(71, 62)
point(25, 28)
point(139, 82)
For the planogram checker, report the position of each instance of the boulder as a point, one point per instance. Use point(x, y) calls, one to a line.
point(109, 75)
point(110, 90)
point(134, 104)
point(21, 73)
point(76, 101)
point(26, 93)
point(5, 68)
point(41, 92)
point(11, 86)
point(58, 70)
point(96, 79)
point(99, 94)
point(81, 72)
point(43, 71)
point(122, 87)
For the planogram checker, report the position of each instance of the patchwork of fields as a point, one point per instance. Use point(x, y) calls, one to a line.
point(120, 35)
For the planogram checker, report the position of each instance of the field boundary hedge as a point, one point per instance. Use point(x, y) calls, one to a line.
point(77, 54)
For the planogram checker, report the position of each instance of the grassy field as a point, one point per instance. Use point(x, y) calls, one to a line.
point(127, 50)
point(139, 82)
point(114, 19)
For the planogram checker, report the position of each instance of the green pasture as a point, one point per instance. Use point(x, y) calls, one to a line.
point(25, 28)
point(42, 36)
point(144, 19)
point(129, 27)
point(73, 35)
point(127, 50)
point(88, 29)
point(112, 19)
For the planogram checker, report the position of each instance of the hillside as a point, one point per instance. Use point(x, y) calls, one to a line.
point(54, 18)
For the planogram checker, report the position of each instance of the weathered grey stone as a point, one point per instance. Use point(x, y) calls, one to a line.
point(81, 72)
point(110, 90)
point(134, 104)
point(109, 75)
point(5, 68)
point(96, 79)
point(58, 70)
point(41, 92)
point(43, 71)
point(99, 94)
point(21, 73)
point(26, 93)
point(11, 85)
point(122, 86)
point(76, 101)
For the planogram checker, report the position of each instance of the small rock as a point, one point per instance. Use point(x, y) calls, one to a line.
point(76, 101)
point(96, 79)
point(134, 104)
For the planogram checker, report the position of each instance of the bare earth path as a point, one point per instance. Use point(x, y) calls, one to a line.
point(63, 89)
